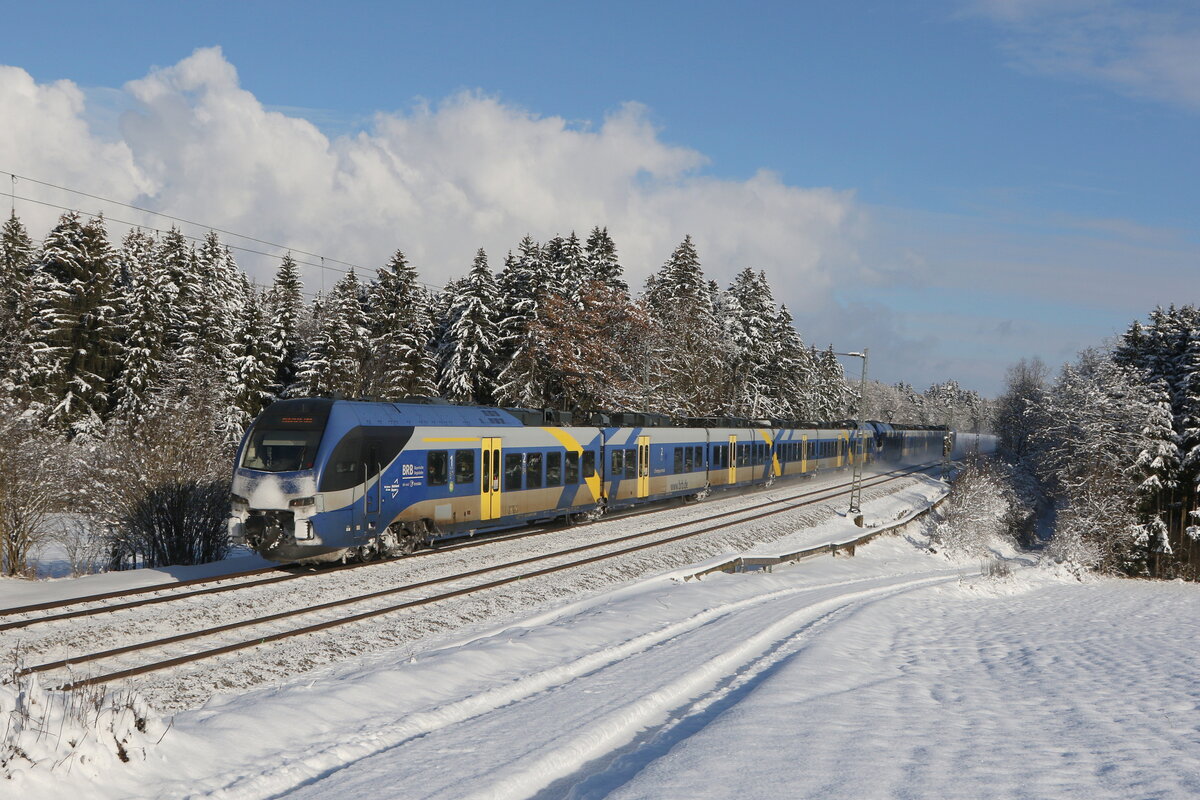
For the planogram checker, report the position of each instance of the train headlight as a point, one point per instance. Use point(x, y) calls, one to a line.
point(238, 500)
point(302, 502)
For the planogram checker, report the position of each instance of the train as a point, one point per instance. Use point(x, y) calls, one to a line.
point(319, 480)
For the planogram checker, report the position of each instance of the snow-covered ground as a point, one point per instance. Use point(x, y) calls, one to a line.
point(892, 674)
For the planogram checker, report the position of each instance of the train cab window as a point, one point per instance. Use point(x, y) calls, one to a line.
point(589, 464)
point(572, 468)
point(678, 460)
point(554, 469)
point(618, 463)
point(631, 463)
point(464, 467)
point(533, 471)
point(512, 471)
point(436, 467)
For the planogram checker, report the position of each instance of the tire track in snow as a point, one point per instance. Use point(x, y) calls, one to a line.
point(738, 668)
point(308, 770)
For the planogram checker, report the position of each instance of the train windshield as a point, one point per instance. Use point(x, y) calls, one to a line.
point(286, 436)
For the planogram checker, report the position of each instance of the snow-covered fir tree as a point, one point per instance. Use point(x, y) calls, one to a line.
point(525, 280)
point(402, 362)
point(16, 310)
point(601, 255)
point(143, 323)
point(467, 346)
point(75, 301)
point(253, 366)
point(285, 302)
point(342, 345)
point(749, 319)
point(690, 364)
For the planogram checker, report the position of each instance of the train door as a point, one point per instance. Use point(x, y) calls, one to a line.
point(489, 484)
point(732, 460)
point(643, 466)
point(803, 453)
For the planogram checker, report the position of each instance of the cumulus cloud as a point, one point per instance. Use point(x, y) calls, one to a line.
point(438, 180)
point(1149, 50)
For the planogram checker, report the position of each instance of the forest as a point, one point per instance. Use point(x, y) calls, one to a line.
point(1109, 449)
point(132, 369)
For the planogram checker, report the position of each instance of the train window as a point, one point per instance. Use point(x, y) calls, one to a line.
point(699, 456)
point(554, 469)
point(512, 472)
point(589, 464)
point(464, 467)
point(533, 471)
point(743, 455)
point(631, 463)
point(716, 456)
point(572, 468)
point(436, 467)
point(618, 463)
point(344, 467)
point(688, 462)
point(678, 460)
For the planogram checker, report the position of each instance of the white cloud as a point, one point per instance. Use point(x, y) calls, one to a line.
point(437, 181)
point(1148, 50)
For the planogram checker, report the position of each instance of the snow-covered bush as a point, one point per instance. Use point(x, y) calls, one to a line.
point(83, 541)
point(1097, 529)
point(26, 488)
point(88, 728)
point(976, 514)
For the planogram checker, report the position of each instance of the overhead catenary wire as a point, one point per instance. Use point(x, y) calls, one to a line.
point(321, 264)
point(189, 237)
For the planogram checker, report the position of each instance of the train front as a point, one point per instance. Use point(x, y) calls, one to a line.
point(275, 483)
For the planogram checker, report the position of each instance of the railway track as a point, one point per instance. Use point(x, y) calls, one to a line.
point(197, 587)
point(447, 587)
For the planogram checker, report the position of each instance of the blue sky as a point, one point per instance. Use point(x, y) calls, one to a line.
point(1007, 178)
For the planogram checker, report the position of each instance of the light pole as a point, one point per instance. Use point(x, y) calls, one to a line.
point(857, 479)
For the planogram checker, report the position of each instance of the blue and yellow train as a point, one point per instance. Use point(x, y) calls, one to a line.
point(325, 480)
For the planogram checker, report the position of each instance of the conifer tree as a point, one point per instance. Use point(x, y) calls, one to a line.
point(524, 282)
point(467, 347)
point(750, 321)
point(177, 260)
point(690, 363)
point(16, 311)
point(601, 255)
point(215, 310)
point(286, 303)
point(75, 286)
point(401, 324)
point(143, 322)
point(342, 345)
point(254, 366)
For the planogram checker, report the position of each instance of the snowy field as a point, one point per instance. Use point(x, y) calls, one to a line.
point(896, 673)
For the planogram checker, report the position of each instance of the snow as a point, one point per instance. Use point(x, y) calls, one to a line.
point(896, 673)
